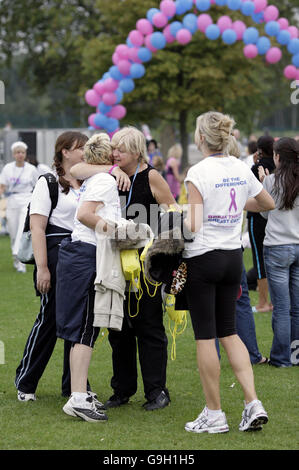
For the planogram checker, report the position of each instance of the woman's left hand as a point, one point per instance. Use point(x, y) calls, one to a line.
point(122, 179)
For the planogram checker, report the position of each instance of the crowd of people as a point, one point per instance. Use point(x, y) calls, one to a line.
point(101, 185)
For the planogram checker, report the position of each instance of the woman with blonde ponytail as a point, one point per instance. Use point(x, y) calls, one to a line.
point(219, 188)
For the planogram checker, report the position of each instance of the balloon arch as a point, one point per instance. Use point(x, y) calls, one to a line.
point(160, 27)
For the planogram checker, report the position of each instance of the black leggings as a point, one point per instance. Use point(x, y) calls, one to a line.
point(213, 282)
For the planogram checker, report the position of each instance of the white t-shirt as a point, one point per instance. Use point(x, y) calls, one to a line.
point(19, 182)
point(225, 185)
point(100, 188)
point(64, 213)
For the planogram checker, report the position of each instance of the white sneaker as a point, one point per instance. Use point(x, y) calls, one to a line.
point(253, 418)
point(85, 409)
point(99, 405)
point(21, 268)
point(26, 396)
point(204, 424)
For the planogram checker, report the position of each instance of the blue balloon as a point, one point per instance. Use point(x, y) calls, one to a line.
point(175, 27)
point(106, 75)
point(272, 28)
point(221, 3)
point(144, 54)
point(90, 128)
point(284, 37)
point(127, 85)
point(234, 4)
point(258, 17)
point(263, 45)
point(203, 5)
point(229, 36)
point(104, 108)
point(182, 6)
point(247, 8)
point(158, 40)
point(115, 73)
point(112, 124)
point(100, 120)
point(129, 42)
point(250, 36)
point(190, 22)
point(295, 60)
point(293, 46)
point(151, 12)
point(137, 70)
point(119, 95)
point(212, 32)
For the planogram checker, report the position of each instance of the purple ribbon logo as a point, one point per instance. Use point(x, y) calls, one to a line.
point(233, 200)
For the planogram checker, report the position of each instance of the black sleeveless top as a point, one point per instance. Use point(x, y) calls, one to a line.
point(143, 207)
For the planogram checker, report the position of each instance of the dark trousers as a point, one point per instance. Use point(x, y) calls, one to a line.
point(42, 338)
point(145, 331)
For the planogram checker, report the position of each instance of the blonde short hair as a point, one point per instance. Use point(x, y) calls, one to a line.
point(175, 151)
point(132, 140)
point(217, 129)
point(98, 150)
point(18, 144)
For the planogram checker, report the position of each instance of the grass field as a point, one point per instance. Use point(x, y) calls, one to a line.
point(43, 425)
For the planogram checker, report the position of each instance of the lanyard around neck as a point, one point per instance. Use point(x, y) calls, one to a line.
point(131, 188)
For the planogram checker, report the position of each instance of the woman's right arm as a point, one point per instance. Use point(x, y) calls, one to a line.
point(2, 189)
point(83, 170)
point(38, 224)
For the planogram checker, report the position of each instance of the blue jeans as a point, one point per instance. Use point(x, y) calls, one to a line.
point(245, 323)
point(282, 268)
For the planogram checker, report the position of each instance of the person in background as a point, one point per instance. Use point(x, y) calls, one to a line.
point(158, 164)
point(152, 150)
point(281, 250)
point(17, 180)
point(251, 150)
point(257, 224)
point(216, 201)
point(172, 169)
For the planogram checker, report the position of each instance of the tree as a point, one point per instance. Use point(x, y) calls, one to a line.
point(69, 45)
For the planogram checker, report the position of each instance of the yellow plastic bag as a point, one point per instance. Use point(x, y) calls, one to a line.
point(178, 317)
point(131, 269)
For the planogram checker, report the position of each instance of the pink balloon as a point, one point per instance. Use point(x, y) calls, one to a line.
point(168, 36)
point(183, 36)
point(109, 98)
point(203, 21)
point(122, 50)
point(136, 38)
point(168, 8)
point(160, 20)
point(133, 55)
point(99, 88)
point(260, 5)
point(92, 98)
point(91, 119)
point(239, 27)
point(293, 30)
point(115, 58)
point(224, 23)
point(283, 23)
point(110, 84)
point(250, 51)
point(273, 55)
point(117, 112)
point(148, 43)
point(290, 72)
point(124, 67)
point(144, 26)
point(271, 13)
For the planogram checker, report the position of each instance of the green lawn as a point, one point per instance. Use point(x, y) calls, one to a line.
point(43, 425)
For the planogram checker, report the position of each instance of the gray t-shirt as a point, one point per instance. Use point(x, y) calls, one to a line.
point(283, 225)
